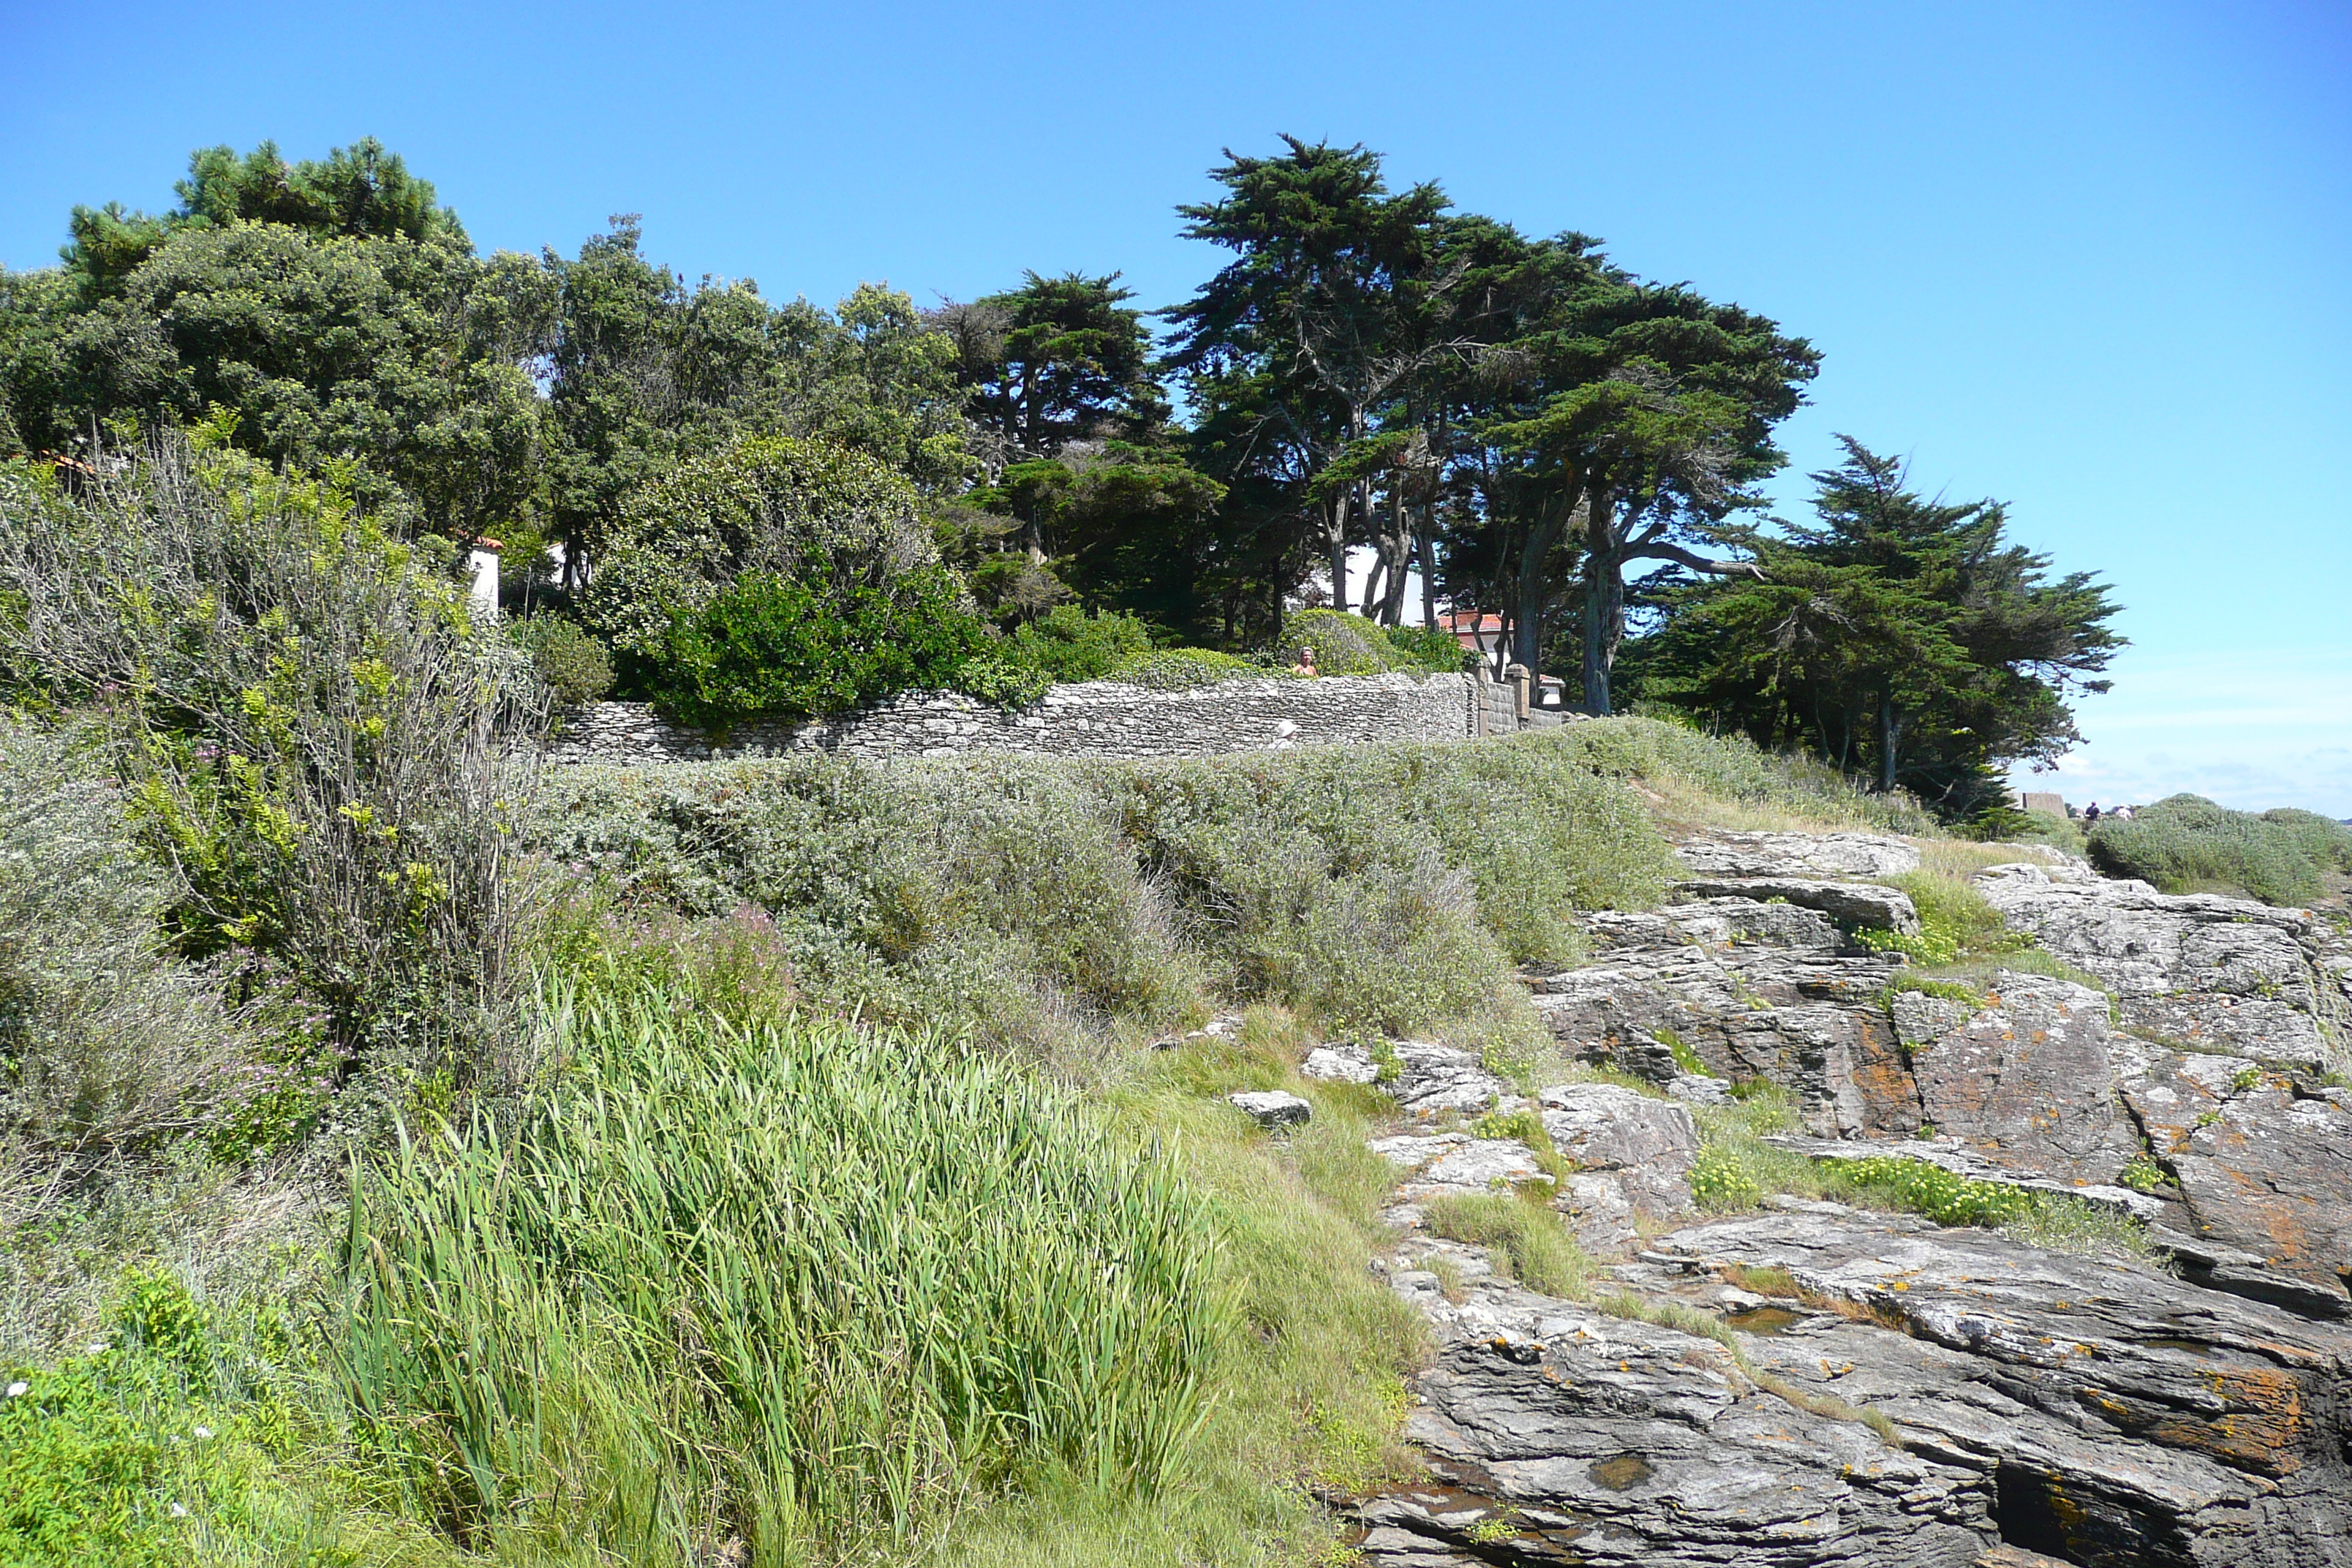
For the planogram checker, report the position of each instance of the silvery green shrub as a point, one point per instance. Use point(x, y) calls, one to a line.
point(107, 1042)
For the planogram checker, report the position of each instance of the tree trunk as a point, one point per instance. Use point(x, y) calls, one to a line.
point(1604, 614)
point(1428, 548)
point(1526, 643)
point(1399, 540)
point(1604, 598)
point(1890, 739)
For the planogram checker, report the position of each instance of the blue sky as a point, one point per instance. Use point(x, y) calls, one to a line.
point(2090, 260)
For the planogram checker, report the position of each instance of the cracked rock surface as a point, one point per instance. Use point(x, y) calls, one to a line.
point(1817, 1385)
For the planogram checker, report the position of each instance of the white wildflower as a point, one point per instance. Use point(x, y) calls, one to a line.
point(178, 1512)
point(17, 1388)
point(203, 1431)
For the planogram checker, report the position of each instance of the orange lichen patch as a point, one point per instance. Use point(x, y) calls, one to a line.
point(2262, 1428)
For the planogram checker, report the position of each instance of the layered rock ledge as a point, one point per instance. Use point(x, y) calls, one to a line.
point(1818, 1384)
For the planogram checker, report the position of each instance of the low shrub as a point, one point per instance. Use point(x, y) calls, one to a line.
point(1188, 668)
point(2188, 844)
point(1388, 887)
point(771, 644)
point(1067, 644)
point(1732, 768)
point(1346, 644)
point(574, 665)
point(1941, 1195)
point(106, 1043)
point(313, 733)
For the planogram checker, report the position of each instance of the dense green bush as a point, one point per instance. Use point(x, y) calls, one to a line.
point(1351, 645)
point(1432, 648)
point(2188, 844)
point(801, 1286)
point(768, 504)
point(314, 733)
point(1067, 644)
point(574, 665)
point(769, 645)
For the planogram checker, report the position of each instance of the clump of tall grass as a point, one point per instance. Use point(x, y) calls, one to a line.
point(2186, 844)
point(797, 1284)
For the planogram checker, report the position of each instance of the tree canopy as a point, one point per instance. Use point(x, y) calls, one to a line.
point(1518, 424)
point(1897, 634)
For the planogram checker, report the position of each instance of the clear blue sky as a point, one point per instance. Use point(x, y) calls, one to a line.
point(2092, 259)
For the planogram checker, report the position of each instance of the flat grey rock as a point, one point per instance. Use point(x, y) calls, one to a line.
point(1724, 853)
point(1273, 1106)
point(1861, 904)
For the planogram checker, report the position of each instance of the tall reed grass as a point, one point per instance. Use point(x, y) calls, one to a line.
point(797, 1284)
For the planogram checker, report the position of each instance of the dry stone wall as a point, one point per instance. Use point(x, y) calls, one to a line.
point(1085, 719)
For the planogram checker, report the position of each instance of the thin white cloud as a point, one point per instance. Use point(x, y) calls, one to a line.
point(2251, 730)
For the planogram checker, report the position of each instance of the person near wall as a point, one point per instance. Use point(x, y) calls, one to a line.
point(1306, 664)
point(2091, 814)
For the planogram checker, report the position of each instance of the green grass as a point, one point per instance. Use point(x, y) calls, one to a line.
point(796, 1284)
point(2187, 844)
point(1525, 1241)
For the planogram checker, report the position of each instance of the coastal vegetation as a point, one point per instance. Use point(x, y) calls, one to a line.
point(755, 510)
point(411, 1154)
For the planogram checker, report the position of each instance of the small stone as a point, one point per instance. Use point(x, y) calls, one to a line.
point(1341, 1063)
point(1274, 1108)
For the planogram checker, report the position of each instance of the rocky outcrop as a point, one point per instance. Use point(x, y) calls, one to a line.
point(1851, 904)
point(2196, 971)
point(1852, 856)
point(2023, 1075)
point(1906, 1394)
point(1822, 1385)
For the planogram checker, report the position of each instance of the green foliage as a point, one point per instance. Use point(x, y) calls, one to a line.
point(812, 1281)
point(2142, 1172)
point(1187, 669)
point(1351, 645)
point(1056, 360)
point(574, 665)
point(1720, 1180)
point(1389, 885)
point(767, 504)
point(138, 1447)
point(314, 734)
point(1067, 643)
point(1432, 648)
point(1938, 1193)
point(331, 310)
point(1527, 1242)
point(2188, 844)
point(1902, 637)
point(769, 645)
point(1943, 990)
